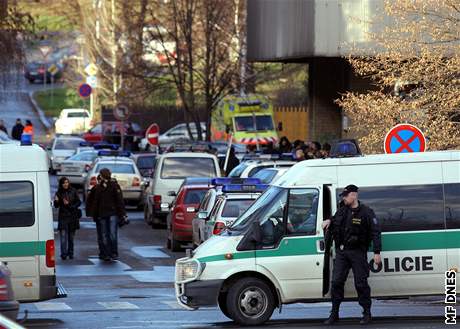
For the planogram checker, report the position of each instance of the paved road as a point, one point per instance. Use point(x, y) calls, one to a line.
point(137, 292)
point(14, 103)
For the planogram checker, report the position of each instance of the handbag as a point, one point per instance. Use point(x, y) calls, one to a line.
point(78, 213)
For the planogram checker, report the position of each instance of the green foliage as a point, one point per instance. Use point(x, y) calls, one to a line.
point(53, 101)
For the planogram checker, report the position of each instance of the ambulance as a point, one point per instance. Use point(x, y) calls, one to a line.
point(275, 254)
point(26, 222)
point(249, 119)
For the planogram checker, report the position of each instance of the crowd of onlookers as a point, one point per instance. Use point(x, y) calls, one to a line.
point(299, 149)
point(18, 129)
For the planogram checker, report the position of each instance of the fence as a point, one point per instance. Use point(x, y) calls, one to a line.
point(294, 121)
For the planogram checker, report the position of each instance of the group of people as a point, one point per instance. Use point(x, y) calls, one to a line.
point(18, 129)
point(104, 204)
point(304, 150)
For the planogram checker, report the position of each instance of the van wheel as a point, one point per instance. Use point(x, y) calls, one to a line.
point(222, 300)
point(250, 302)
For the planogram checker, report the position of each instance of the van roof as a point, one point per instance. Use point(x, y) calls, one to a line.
point(302, 173)
point(188, 155)
point(17, 158)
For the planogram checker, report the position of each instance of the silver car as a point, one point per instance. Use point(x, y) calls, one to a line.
point(63, 147)
point(77, 166)
point(124, 170)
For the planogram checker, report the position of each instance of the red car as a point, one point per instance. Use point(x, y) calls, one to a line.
point(183, 209)
point(96, 135)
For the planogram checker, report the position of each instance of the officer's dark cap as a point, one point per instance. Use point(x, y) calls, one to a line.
point(348, 189)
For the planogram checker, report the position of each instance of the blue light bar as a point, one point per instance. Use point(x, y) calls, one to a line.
point(255, 188)
point(235, 180)
point(114, 153)
point(287, 156)
point(84, 144)
point(101, 146)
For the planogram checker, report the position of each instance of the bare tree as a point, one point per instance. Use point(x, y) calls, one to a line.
point(417, 76)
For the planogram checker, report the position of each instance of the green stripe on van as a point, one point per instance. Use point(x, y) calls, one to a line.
point(390, 242)
point(21, 249)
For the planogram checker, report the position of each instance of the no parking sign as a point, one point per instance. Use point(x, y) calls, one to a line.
point(404, 138)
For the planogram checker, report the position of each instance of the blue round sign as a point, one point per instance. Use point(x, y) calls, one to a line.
point(404, 138)
point(85, 90)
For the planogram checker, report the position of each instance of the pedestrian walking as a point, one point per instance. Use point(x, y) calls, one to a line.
point(3, 127)
point(16, 131)
point(353, 227)
point(67, 201)
point(105, 204)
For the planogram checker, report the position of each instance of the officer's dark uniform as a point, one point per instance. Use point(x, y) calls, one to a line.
point(352, 231)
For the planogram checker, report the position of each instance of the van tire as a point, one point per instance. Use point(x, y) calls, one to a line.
point(222, 300)
point(240, 293)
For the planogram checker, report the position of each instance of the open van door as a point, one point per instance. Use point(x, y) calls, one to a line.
point(327, 243)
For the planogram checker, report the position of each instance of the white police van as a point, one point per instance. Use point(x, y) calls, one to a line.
point(26, 222)
point(274, 253)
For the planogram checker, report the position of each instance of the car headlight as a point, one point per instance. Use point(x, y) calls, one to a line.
point(188, 269)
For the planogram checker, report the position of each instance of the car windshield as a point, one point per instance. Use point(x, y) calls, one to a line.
point(84, 156)
point(246, 123)
point(67, 144)
point(180, 168)
point(238, 170)
point(273, 197)
point(266, 175)
point(77, 115)
point(235, 207)
point(195, 196)
point(146, 162)
point(116, 168)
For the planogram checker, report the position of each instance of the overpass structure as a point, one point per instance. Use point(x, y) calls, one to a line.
point(320, 33)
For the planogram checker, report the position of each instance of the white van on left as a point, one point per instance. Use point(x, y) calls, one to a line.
point(26, 222)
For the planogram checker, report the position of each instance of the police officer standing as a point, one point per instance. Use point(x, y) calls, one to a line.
point(353, 227)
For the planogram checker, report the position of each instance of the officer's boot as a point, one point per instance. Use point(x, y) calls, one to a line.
point(333, 318)
point(367, 318)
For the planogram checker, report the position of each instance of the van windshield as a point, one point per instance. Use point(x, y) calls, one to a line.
point(246, 123)
point(180, 168)
point(273, 197)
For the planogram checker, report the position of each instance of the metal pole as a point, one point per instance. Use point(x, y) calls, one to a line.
point(228, 153)
point(52, 90)
point(255, 129)
point(91, 105)
point(122, 135)
point(114, 55)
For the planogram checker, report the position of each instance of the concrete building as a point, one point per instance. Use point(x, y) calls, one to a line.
point(320, 33)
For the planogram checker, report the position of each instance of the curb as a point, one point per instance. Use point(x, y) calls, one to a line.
point(41, 115)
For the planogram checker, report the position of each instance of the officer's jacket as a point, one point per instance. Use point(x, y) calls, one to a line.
point(356, 228)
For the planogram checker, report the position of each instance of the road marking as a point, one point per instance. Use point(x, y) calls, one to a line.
point(162, 274)
point(150, 252)
point(43, 306)
point(118, 305)
point(173, 304)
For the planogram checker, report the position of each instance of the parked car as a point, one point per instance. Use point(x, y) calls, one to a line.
point(96, 134)
point(170, 171)
point(183, 209)
point(124, 170)
point(175, 134)
point(77, 166)
point(35, 71)
point(62, 148)
point(9, 307)
point(73, 121)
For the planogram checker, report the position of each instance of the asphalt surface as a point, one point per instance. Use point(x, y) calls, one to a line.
point(137, 292)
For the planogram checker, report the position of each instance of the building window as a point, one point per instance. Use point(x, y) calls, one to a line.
point(16, 204)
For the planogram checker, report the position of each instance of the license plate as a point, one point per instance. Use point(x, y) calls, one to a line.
point(70, 169)
point(122, 183)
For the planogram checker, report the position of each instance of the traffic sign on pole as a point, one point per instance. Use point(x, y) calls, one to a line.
point(152, 133)
point(121, 112)
point(92, 81)
point(45, 50)
point(84, 90)
point(404, 138)
point(91, 69)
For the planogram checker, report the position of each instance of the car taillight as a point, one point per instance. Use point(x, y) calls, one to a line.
point(50, 254)
point(93, 181)
point(218, 228)
point(156, 199)
point(136, 181)
point(87, 167)
point(3, 289)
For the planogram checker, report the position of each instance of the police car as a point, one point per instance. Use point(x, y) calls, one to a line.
point(77, 166)
point(267, 262)
point(251, 166)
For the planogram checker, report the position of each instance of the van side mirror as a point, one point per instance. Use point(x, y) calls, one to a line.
point(252, 238)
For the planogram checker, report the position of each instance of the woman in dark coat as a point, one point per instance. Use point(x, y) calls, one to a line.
point(67, 201)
